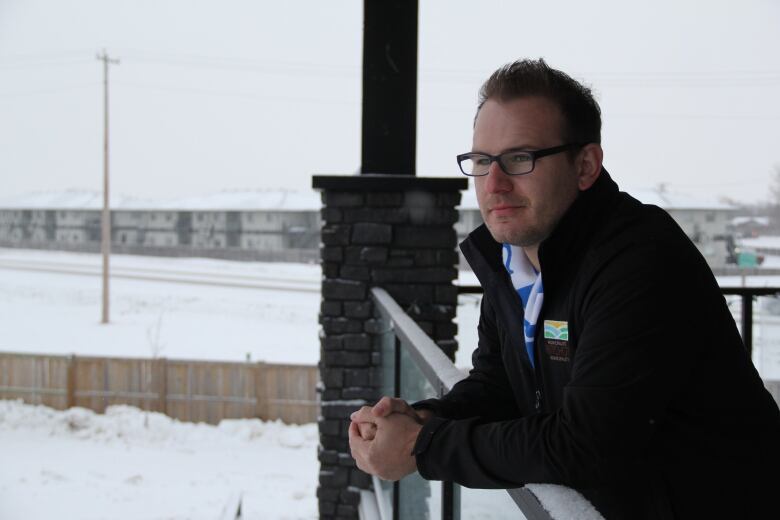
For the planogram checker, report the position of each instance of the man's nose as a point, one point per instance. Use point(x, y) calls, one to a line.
point(496, 181)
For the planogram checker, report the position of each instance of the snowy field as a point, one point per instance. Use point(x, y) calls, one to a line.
point(132, 465)
point(183, 308)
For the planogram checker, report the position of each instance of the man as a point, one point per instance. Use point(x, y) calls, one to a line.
point(608, 360)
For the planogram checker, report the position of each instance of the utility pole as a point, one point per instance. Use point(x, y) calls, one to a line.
point(105, 221)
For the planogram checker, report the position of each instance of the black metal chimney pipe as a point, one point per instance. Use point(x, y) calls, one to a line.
point(389, 125)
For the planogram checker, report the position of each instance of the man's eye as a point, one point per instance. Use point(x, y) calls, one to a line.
point(517, 157)
point(481, 161)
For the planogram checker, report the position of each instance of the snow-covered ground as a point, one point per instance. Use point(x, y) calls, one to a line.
point(186, 308)
point(132, 465)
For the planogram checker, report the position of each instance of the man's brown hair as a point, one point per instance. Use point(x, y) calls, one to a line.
point(524, 78)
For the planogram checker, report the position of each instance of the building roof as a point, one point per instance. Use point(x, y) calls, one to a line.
point(247, 200)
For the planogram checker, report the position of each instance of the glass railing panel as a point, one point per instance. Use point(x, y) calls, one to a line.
point(418, 498)
point(487, 504)
point(766, 337)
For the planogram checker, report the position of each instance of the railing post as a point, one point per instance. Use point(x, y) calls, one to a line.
point(747, 322)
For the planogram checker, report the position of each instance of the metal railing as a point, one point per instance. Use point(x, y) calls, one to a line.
point(441, 374)
point(747, 295)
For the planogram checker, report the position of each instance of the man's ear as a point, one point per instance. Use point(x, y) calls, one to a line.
point(589, 165)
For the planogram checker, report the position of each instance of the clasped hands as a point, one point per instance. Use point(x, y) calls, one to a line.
point(382, 437)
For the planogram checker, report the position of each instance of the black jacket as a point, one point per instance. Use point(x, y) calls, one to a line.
point(651, 408)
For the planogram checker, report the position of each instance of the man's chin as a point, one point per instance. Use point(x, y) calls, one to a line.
point(515, 237)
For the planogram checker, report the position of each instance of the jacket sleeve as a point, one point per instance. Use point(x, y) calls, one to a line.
point(624, 371)
point(486, 391)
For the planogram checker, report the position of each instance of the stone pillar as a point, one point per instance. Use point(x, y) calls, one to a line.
point(389, 231)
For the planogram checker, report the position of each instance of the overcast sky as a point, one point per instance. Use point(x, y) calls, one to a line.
point(222, 95)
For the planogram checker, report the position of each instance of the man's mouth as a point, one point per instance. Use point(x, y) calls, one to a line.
point(503, 210)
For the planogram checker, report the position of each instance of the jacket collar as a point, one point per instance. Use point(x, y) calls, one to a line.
point(564, 247)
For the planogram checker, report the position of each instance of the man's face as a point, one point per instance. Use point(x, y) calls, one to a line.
point(523, 210)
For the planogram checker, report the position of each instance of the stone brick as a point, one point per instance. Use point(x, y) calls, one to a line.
point(425, 257)
point(357, 342)
point(333, 326)
point(422, 275)
point(346, 512)
point(356, 377)
point(355, 272)
point(362, 309)
point(405, 294)
point(444, 330)
point(328, 457)
point(330, 308)
point(376, 359)
point(343, 290)
point(339, 410)
point(384, 199)
point(329, 427)
point(329, 494)
point(331, 394)
point(346, 460)
point(375, 326)
point(447, 257)
point(346, 359)
point(331, 270)
point(327, 509)
point(359, 392)
point(432, 216)
point(333, 377)
point(332, 254)
point(384, 216)
point(340, 199)
point(334, 478)
point(419, 199)
point(400, 262)
point(334, 443)
point(365, 255)
point(366, 233)
point(446, 294)
point(331, 342)
point(335, 235)
point(350, 497)
point(331, 215)
point(448, 199)
point(424, 237)
point(359, 479)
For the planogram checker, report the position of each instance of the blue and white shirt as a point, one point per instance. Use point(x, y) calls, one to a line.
point(527, 281)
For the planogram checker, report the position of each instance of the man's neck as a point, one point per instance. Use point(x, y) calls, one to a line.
point(532, 253)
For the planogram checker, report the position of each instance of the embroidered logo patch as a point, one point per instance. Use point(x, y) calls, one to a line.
point(556, 330)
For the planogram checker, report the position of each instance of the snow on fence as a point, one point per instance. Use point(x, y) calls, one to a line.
point(194, 391)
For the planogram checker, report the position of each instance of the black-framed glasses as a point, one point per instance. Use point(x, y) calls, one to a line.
point(513, 162)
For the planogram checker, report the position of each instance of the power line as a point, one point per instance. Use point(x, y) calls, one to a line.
point(52, 90)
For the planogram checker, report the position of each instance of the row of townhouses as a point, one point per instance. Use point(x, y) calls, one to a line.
point(278, 225)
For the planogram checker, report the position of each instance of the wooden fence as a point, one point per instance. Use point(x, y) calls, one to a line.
point(195, 391)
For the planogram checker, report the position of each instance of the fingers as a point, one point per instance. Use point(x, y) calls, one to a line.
point(367, 430)
point(363, 415)
point(389, 405)
point(359, 448)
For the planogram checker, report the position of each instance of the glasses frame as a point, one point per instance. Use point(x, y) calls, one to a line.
point(533, 154)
